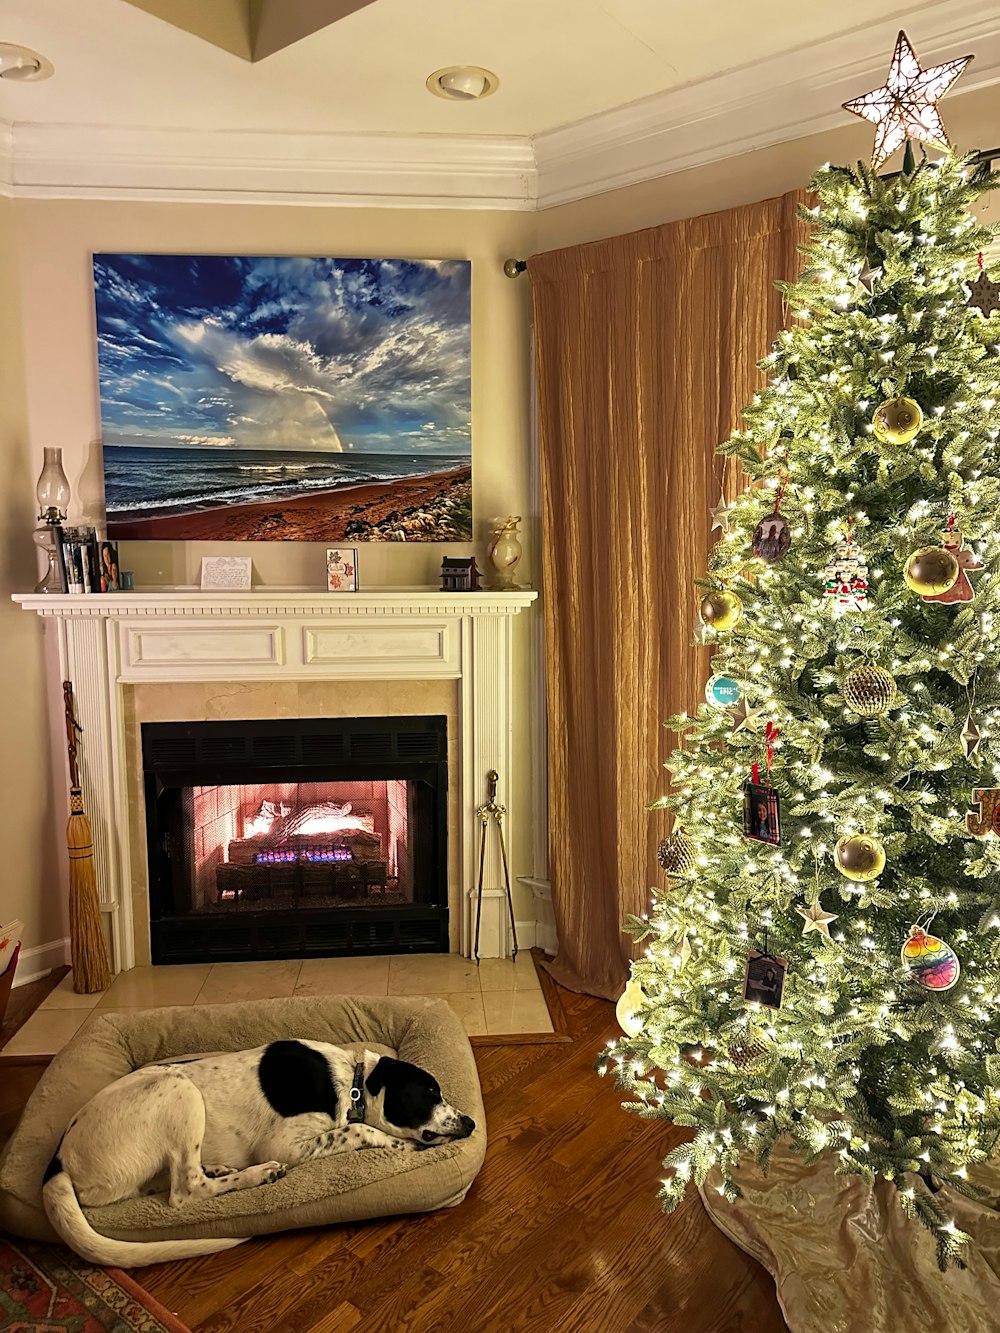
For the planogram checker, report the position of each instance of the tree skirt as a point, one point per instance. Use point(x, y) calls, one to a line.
point(48, 1287)
point(846, 1259)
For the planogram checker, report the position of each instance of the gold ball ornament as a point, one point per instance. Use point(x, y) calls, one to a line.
point(860, 857)
point(869, 690)
point(930, 571)
point(677, 854)
point(721, 610)
point(897, 421)
point(629, 1003)
point(749, 1049)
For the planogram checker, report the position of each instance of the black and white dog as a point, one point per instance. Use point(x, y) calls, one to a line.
point(230, 1122)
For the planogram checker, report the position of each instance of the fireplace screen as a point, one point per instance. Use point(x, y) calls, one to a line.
point(296, 838)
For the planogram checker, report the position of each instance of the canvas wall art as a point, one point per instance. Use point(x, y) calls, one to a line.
point(285, 399)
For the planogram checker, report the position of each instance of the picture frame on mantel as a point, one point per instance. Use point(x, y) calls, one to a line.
point(226, 573)
point(342, 569)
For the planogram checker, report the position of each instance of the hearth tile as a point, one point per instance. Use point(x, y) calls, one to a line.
point(230, 982)
point(469, 1007)
point(65, 997)
point(515, 1011)
point(431, 974)
point(46, 1032)
point(150, 987)
point(502, 974)
point(343, 976)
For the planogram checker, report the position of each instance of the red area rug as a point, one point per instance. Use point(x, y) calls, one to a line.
point(47, 1289)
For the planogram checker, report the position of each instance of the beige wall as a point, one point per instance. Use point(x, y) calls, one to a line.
point(30, 748)
point(50, 246)
point(972, 120)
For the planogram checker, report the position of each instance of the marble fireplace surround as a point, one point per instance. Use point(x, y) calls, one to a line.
point(193, 656)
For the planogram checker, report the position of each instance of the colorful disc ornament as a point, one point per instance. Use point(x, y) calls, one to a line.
point(930, 962)
point(723, 692)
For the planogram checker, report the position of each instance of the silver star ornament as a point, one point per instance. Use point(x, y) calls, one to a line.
point(745, 717)
point(867, 278)
point(720, 514)
point(816, 919)
point(906, 106)
point(972, 738)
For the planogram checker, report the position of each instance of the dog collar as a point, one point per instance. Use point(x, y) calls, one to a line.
point(356, 1110)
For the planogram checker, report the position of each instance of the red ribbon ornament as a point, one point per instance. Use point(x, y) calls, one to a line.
point(771, 734)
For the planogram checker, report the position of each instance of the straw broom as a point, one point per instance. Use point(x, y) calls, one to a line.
point(88, 951)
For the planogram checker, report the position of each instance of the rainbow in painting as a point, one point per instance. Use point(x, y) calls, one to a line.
point(931, 962)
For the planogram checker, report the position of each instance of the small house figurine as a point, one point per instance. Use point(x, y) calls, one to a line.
point(459, 574)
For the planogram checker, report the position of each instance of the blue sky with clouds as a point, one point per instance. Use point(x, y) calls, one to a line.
point(368, 355)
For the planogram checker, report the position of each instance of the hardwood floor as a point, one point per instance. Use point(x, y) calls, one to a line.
point(560, 1233)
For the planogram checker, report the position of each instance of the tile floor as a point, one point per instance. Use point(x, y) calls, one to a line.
point(497, 998)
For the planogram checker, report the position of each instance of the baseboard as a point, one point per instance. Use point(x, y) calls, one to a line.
point(38, 962)
point(526, 931)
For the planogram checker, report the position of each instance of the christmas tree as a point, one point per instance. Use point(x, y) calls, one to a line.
point(822, 967)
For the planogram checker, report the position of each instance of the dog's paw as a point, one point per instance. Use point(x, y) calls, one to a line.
point(272, 1171)
point(217, 1172)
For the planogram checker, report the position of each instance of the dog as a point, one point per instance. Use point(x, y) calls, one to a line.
point(205, 1126)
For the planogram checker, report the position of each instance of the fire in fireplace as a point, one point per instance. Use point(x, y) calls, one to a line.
point(335, 842)
point(296, 838)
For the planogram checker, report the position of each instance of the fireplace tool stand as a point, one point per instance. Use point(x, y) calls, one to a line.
point(494, 811)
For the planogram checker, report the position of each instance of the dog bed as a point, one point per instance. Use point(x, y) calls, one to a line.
point(347, 1187)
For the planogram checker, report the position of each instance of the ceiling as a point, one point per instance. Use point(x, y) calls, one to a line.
point(572, 72)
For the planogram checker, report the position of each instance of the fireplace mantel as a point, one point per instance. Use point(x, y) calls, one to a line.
point(108, 642)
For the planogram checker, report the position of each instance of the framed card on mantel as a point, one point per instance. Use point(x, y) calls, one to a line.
point(285, 399)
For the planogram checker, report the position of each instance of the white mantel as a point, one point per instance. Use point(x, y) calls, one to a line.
point(108, 642)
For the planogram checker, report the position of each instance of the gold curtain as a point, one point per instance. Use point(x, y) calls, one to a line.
point(646, 350)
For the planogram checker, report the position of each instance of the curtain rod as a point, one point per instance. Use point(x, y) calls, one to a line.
point(513, 268)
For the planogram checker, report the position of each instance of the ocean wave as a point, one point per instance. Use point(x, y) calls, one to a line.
point(141, 506)
point(280, 467)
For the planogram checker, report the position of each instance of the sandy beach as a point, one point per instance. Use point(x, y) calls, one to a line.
point(436, 507)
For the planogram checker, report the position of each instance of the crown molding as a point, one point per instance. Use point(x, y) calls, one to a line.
point(776, 100)
point(6, 159)
point(220, 166)
point(782, 98)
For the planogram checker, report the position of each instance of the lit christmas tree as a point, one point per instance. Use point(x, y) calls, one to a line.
point(823, 965)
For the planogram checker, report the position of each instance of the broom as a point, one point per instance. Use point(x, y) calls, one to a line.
point(88, 951)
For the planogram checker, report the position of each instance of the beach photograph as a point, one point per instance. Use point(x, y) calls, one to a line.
point(285, 399)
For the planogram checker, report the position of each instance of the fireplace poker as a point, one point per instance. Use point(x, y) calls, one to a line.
point(88, 950)
point(494, 811)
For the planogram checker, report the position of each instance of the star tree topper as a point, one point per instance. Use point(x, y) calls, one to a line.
point(906, 107)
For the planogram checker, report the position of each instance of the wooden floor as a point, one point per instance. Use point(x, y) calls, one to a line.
point(560, 1233)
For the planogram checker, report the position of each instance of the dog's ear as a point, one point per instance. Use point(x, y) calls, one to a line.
point(380, 1075)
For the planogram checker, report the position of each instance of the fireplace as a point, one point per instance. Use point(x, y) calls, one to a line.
point(296, 837)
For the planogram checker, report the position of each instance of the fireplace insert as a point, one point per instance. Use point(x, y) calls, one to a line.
point(296, 837)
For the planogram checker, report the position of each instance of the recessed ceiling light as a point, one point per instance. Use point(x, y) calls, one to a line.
point(21, 65)
point(463, 83)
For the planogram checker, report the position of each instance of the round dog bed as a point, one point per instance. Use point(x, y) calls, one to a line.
point(347, 1187)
